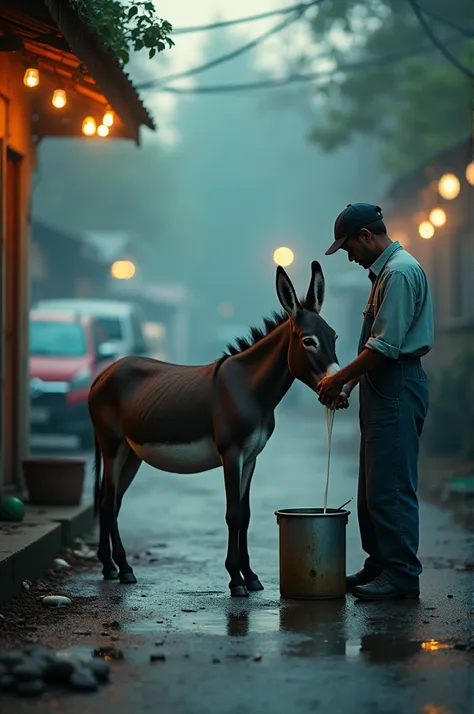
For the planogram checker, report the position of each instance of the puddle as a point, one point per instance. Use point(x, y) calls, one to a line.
point(375, 649)
point(231, 624)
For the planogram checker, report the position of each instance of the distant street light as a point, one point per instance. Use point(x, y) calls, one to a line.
point(123, 270)
point(426, 230)
point(283, 256)
point(438, 217)
point(449, 186)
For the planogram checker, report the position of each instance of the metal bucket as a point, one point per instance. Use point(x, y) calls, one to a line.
point(312, 553)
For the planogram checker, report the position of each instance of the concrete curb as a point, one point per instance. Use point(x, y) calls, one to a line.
point(27, 548)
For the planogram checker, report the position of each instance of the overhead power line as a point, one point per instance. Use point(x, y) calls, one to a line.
point(299, 78)
point(242, 20)
point(230, 55)
point(466, 31)
point(437, 42)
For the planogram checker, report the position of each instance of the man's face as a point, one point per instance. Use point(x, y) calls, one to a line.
point(359, 248)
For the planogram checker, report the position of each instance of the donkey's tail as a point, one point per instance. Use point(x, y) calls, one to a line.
point(98, 480)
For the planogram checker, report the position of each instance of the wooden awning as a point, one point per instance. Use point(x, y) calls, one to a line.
point(60, 39)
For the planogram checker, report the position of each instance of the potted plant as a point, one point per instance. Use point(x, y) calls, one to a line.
point(54, 482)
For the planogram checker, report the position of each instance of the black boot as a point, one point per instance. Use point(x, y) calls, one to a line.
point(363, 577)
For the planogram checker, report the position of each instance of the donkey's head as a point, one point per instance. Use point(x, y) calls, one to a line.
point(312, 349)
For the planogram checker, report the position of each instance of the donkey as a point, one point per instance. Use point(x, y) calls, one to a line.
point(190, 419)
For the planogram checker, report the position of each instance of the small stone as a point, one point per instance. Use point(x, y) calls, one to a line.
point(450, 596)
point(12, 658)
point(27, 672)
point(32, 640)
point(460, 646)
point(61, 564)
point(26, 584)
point(59, 671)
point(105, 634)
point(55, 601)
point(32, 688)
point(257, 657)
point(159, 644)
point(100, 670)
point(110, 652)
point(2, 619)
point(215, 660)
point(426, 622)
point(184, 610)
point(114, 625)
point(84, 633)
point(83, 681)
point(114, 638)
point(7, 683)
point(157, 657)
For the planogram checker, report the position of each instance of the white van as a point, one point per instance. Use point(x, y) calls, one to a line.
point(121, 322)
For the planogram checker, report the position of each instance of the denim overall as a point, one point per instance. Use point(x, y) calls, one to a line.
point(393, 405)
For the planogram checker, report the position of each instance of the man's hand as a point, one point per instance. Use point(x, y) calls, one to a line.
point(342, 402)
point(329, 389)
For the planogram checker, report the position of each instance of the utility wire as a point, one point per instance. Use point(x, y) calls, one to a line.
point(230, 55)
point(285, 81)
point(437, 42)
point(241, 20)
point(466, 31)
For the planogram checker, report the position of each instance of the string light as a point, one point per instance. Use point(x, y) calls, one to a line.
point(31, 78)
point(470, 173)
point(89, 127)
point(438, 217)
point(426, 230)
point(449, 186)
point(102, 130)
point(108, 118)
point(59, 98)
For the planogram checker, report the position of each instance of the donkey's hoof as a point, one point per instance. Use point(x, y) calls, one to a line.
point(128, 579)
point(239, 591)
point(254, 585)
point(110, 574)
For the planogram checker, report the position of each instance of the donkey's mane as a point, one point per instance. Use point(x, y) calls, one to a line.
point(258, 333)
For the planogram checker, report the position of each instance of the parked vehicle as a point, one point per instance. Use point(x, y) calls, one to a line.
point(122, 322)
point(67, 351)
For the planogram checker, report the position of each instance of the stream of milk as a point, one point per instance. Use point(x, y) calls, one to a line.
point(329, 424)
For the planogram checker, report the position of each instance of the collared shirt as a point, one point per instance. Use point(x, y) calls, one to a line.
point(403, 311)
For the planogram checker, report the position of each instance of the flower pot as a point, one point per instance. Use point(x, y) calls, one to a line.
point(54, 482)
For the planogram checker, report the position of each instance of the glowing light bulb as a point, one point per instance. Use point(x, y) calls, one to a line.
point(59, 98)
point(438, 217)
point(123, 270)
point(449, 186)
point(283, 256)
point(89, 126)
point(31, 78)
point(108, 118)
point(426, 230)
point(102, 130)
point(470, 173)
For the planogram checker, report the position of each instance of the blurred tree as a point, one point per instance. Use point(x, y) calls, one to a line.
point(416, 106)
point(127, 25)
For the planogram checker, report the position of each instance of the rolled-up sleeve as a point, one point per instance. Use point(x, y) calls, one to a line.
point(394, 316)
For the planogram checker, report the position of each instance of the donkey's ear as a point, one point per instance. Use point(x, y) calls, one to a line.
point(286, 293)
point(315, 295)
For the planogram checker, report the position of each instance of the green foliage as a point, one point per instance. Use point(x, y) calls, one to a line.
point(127, 25)
point(415, 107)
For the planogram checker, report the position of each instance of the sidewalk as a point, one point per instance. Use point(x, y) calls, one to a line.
point(28, 548)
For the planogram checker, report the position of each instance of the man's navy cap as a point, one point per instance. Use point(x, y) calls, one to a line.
point(354, 217)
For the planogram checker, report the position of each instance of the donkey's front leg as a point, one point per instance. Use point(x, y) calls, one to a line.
point(232, 464)
point(251, 579)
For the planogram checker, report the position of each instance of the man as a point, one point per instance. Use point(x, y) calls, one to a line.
point(393, 391)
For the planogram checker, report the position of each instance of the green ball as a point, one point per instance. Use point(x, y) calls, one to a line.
point(12, 509)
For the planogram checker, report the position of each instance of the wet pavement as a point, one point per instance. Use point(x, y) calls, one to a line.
point(228, 655)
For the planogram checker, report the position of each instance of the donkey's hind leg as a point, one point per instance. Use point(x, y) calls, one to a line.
point(130, 463)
